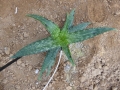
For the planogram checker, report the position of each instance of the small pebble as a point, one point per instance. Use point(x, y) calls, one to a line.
point(96, 72)
point(23, 28)
point(37, 83)
point(117, 13)
point(98, 65)
point(7, 50)
point(18, 26)
point(67, 68)
point(105, 67)
point(60, 2)
point(19, 62)
point(96, 87)
point(63, 19)
point(83, 79)
point(36, 71)
point(33, 87)
point(23, 65)
point(17, 87)
point(30, 68)
point(21, 37)
point(114, 88)
point(13, 24)
point(25, 34)
point(103, 83)
point(91, 87)
point(5, 81)
point(69, 88)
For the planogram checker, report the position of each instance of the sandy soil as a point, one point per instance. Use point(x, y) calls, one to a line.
point(98, 64)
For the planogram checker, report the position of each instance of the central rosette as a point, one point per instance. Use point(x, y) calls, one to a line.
point(63, 38)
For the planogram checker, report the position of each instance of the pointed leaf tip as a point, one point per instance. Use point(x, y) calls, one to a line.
point(49, 61)
point(88, 33)
point(52, 28)
point(80, 26)
point(36, 47)
point(68, 54)
point(69, 20)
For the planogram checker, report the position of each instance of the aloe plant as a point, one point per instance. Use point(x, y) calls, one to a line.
point(59, 39)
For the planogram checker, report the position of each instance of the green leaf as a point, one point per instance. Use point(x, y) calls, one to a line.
point(49, 61)
point(88, 33)
point(36, 47)
point(52, 28)
point(67, 52)
point(69, 20)
point(78, 27)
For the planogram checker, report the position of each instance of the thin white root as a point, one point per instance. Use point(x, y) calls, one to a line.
point(54, 71)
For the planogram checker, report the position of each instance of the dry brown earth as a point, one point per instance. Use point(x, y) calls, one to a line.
point(98, 64)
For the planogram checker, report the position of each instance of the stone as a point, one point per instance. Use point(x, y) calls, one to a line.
point(96, 87)
point(37, 83)
point(33, 87)
point(21, 37)
point(63, 19)
point(7, 50)
point(91, 87)
point(23, 28)
point(103, 83)
point(5, 81)
point(83, 79)
point(114, 88)
point(105, 67)
point(98, 65)
point(25, 34)
point(19, 62)
point(30, 68)
point(36, 71)
point(117, 13)
point(68, 88)
point(96, 72)
point(17, 87)
point(23, 65)
point(60, 2)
